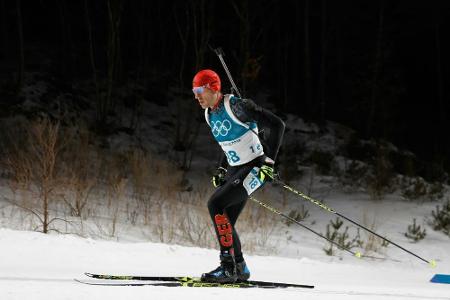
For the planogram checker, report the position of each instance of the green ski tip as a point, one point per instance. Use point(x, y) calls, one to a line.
point(358, 254)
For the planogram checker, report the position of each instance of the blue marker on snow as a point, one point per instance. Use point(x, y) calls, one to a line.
point(441, 278)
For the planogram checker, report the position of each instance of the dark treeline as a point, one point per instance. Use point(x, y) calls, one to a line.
point(381, 67)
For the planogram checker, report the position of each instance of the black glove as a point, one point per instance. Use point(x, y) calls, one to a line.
point(267, 170)
point(219, 177)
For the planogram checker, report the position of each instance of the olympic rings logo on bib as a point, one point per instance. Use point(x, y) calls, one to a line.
point(220, 128)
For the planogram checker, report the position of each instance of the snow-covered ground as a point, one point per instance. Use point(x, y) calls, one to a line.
point(39, 266)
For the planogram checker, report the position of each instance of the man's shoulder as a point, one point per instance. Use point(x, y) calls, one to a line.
point(240, 103)
point(240, 107)
point(232, 99)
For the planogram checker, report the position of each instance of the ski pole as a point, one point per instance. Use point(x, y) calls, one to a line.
point(274, 210)
point(432, 262)
point(219, 52)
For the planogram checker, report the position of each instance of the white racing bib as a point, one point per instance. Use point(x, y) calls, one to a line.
point(252, 182)
point(243, 149)
point(239, 141)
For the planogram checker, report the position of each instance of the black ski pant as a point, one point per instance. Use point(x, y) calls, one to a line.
point(227, 203)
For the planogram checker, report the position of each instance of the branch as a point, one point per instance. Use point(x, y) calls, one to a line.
point(25, 208)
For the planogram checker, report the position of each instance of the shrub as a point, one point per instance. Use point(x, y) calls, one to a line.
point(415, 233)
point(298, 215)
point(341, 238)
point(354, 173)
point(417, 188)
point(441, 218)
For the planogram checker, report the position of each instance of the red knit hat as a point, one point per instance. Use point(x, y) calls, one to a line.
point(207, 77)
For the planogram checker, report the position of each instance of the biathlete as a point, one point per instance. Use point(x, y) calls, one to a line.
point(247, 165)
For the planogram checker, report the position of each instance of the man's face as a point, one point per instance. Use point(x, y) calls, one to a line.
point(206, 97)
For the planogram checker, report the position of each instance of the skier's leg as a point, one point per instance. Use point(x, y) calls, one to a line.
point(233, 213)
point(221, 204)
point(226, 272)
point(219, 209)
point(230, 194)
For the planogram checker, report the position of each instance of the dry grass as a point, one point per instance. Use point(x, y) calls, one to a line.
point(258, 227)
point(61, 180)
point(372, 243)
point(81, 172)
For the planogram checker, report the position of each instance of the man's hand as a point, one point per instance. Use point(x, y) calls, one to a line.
point(219, 177)
point(267, 171)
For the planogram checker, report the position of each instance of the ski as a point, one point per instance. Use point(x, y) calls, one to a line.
point(136, 277)
point(185, 281)
point(189, 283)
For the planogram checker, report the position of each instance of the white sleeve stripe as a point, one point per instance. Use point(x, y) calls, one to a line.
point(207, 116)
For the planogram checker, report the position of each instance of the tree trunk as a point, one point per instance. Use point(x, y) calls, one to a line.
point(115, 8)
point(4, 33)
point(323, 66)
point(141, 42)
point(21, 67)
point(46, 214)
point(295, 60)
point(440, 147)
point(242, 11)
point(308, 75)
point(184, 117)
point(202, 29)
point(99, 103)
point(183, 31)
point(440, 85)
point(66, 41)
point(376, 72)
point(340, 64)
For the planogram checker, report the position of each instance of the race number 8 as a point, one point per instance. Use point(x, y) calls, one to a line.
point(232, 156)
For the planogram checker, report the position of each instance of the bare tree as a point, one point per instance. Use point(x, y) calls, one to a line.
point(106, 103)
point(4, 32)
point(198, 15)
point(115, 9)
point(376, 71)
point(323, 62)
point(98, 99)
point(187, 127)
point(66, 39)
point(307, 55)
point(21, 69)
point(243, 12)
point(33, 165)
point(81, 170)
point(249, 33)
point(440, 80)
point(202, 29)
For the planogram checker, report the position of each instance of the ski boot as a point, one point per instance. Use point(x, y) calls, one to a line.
point(225, 273)
point(242, 271)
